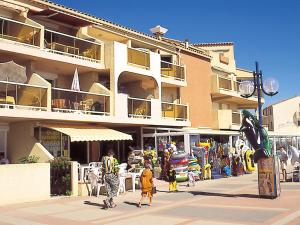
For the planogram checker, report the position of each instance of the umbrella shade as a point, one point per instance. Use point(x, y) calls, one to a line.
point(75, 83)
point(10, 71)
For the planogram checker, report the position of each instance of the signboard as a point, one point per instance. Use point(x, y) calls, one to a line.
point(268, 177)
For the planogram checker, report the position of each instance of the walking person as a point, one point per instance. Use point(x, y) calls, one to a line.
point(110, 174)
point(172, 179)
point(283, 157)
point(147, 185)
point(191, 177)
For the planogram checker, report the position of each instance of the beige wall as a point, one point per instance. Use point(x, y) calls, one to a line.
point(197, 93)
point(21, 143)
point(24, 183)
point(284, 115)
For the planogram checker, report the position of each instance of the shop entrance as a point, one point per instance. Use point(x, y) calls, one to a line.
point(79, 151)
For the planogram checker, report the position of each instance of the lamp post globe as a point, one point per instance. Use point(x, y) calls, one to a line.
point(246, 88)
point(271, 86)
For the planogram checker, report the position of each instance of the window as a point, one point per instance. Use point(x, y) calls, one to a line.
point(167, 58)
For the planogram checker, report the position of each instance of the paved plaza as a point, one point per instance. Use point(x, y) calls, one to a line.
point(223, 202)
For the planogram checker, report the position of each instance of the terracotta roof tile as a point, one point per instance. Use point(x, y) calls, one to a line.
point(213, 44)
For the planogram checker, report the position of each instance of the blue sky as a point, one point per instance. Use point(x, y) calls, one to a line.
point(266, 31)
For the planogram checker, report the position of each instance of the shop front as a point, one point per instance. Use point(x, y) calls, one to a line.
point(80, 143)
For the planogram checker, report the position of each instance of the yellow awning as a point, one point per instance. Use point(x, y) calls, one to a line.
point(89, 133)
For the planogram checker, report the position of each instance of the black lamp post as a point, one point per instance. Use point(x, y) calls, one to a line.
point(268, 87)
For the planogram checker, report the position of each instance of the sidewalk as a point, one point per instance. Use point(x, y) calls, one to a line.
point(223, 202)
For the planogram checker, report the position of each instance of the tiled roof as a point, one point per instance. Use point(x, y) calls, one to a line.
point(213, 44)
point(101, 21)
point(190, 47)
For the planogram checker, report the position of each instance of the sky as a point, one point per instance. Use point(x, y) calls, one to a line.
point(267, 31)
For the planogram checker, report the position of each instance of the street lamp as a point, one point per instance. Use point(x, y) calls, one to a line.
point(269, 87)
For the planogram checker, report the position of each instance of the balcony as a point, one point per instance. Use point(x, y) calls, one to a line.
point(69, 101)
point(19, 32)
point(236, 118)
point(172, 71)
point(22, 96)
point(139, 108)
point(226, 89)
point(138, 57)
point(174, 111)
point(64, 44)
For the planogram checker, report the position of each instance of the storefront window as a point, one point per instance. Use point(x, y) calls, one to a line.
point(179, 142)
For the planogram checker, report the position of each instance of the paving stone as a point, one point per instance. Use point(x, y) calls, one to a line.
point(87, 214)
point(150, 220)
point(221, 214)
point(48, 209)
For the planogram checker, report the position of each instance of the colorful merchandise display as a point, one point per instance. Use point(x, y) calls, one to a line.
point(179, 160)
point(194, 167)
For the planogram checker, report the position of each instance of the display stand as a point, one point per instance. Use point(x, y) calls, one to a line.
point(268, 177)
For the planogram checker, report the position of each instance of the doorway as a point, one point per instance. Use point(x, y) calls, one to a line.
point(78, 151)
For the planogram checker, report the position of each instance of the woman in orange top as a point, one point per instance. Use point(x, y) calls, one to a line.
point(147, 184)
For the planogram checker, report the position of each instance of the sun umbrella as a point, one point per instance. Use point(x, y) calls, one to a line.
point(10, 71)
point(75, 83)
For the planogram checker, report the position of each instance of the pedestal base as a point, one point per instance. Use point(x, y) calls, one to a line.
point(268, 177)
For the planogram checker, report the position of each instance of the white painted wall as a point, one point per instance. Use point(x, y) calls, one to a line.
point(284, 115)
point(24, 183)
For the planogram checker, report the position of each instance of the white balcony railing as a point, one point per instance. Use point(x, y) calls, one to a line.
point(69, 45)
point(172, 70)
point(139, 108)
point(22, 96)
point(138, 57)
point(69, 101)
point(175, 111)
point(20, 32)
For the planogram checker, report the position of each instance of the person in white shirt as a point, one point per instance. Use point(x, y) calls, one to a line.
point(191, 177)
point(3, 160)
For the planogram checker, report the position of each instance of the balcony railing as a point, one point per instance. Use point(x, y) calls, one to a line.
point(22, 96)
point(69, 101)
point(138, 57)
point(225, 83)
point(72, 46)
point(236, 118)
point(172, 70)
point(139, 108)
point(19, 32)
point(175, 111)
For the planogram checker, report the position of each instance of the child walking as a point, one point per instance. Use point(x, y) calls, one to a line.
point(191, 177)
point(172, 179)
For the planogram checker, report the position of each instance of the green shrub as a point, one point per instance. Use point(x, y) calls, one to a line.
point(60, 174)
point(29, 159)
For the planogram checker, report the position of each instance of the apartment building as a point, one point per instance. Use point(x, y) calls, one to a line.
point(75, 85)
point(284, 115)
point(126, 80)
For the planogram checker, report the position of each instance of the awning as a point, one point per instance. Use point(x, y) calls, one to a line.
point(89, 133)
point(213, 132)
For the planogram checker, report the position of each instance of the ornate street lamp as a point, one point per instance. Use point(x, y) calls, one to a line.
point(267, 167)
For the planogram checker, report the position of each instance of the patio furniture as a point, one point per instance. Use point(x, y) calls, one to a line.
point(94, 180)
point(7, 100)
point(84, 169)
point(64, 48)
point(86, 104)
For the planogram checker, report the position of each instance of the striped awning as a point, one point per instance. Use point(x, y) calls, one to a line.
point(89, 133)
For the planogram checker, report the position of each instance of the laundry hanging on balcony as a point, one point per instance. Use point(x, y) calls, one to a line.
point(75, 83)
point(13, 72)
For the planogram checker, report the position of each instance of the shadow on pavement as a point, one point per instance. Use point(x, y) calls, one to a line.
point(169, 191)
point(93, 204)
point(224, 195)
point(134, 203)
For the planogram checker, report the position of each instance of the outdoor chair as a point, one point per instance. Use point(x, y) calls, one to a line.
point(86, 104)
point(94, 180)
point(122, 178)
